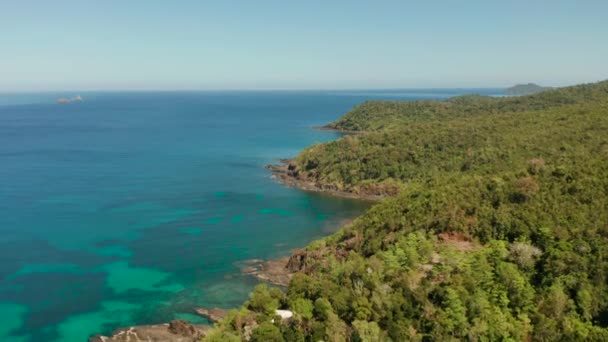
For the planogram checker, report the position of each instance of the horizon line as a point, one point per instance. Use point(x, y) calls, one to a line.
point(273, 89)
point(235, 89)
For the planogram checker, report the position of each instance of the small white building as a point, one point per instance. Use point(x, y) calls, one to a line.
point(285, 314)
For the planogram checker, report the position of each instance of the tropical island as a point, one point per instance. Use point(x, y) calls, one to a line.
point(492, 225)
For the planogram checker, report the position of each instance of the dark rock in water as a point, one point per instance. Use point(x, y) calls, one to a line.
point(175, 331)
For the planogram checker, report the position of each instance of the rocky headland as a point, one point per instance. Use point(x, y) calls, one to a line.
point(337, 130)
point(288, 174)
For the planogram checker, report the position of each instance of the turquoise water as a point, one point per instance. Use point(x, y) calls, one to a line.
point(135, 208)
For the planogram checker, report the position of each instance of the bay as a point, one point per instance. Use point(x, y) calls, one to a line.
point(136, 207)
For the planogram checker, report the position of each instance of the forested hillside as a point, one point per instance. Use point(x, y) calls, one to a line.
point(377, 115)
point(495, 226)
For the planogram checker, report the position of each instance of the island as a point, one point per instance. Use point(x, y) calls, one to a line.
point(490, 224)
point(65, 100)
point(525, 89)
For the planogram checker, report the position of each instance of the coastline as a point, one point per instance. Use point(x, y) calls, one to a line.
point(277, 271)
point(336, 130)
point(286, 174)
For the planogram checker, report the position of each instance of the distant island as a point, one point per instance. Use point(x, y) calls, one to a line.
point(65, 100)
point(525, 89)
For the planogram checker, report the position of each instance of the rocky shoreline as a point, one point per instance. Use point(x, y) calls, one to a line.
point(213, 315)
point(338, 130)
point(342, 131)
point(287, 174)
point(279, 271)
point(274, 271)
point(174, 331)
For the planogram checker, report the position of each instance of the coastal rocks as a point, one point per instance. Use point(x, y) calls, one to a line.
point(174, 331)
point(213, 315)
point(276, 168)
point(305, 261)
point(297, 261)
point(271, 271)
point(280, 271)
point(287, 173)
point(183, 328)
point(334, 128)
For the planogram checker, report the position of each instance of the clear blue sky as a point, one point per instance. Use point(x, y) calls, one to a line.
point(80, 45)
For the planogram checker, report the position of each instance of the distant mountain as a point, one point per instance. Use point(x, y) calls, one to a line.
point(525, 89)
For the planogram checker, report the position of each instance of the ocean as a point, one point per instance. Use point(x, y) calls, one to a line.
point(137, 207)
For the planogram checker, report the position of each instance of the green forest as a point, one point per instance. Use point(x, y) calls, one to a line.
point(493, 226)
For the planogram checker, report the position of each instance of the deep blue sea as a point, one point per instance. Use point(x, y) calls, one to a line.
point(136, 207)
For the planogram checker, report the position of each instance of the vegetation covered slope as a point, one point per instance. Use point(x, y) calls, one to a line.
point(498, 230)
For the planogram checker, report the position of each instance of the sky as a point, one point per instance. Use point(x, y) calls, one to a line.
point(154, 45)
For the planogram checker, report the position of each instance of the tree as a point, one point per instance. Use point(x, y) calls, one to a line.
point(302, 307)
point(262, 300)
point(267, 332)
point(367, 331)
point(322, 308)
